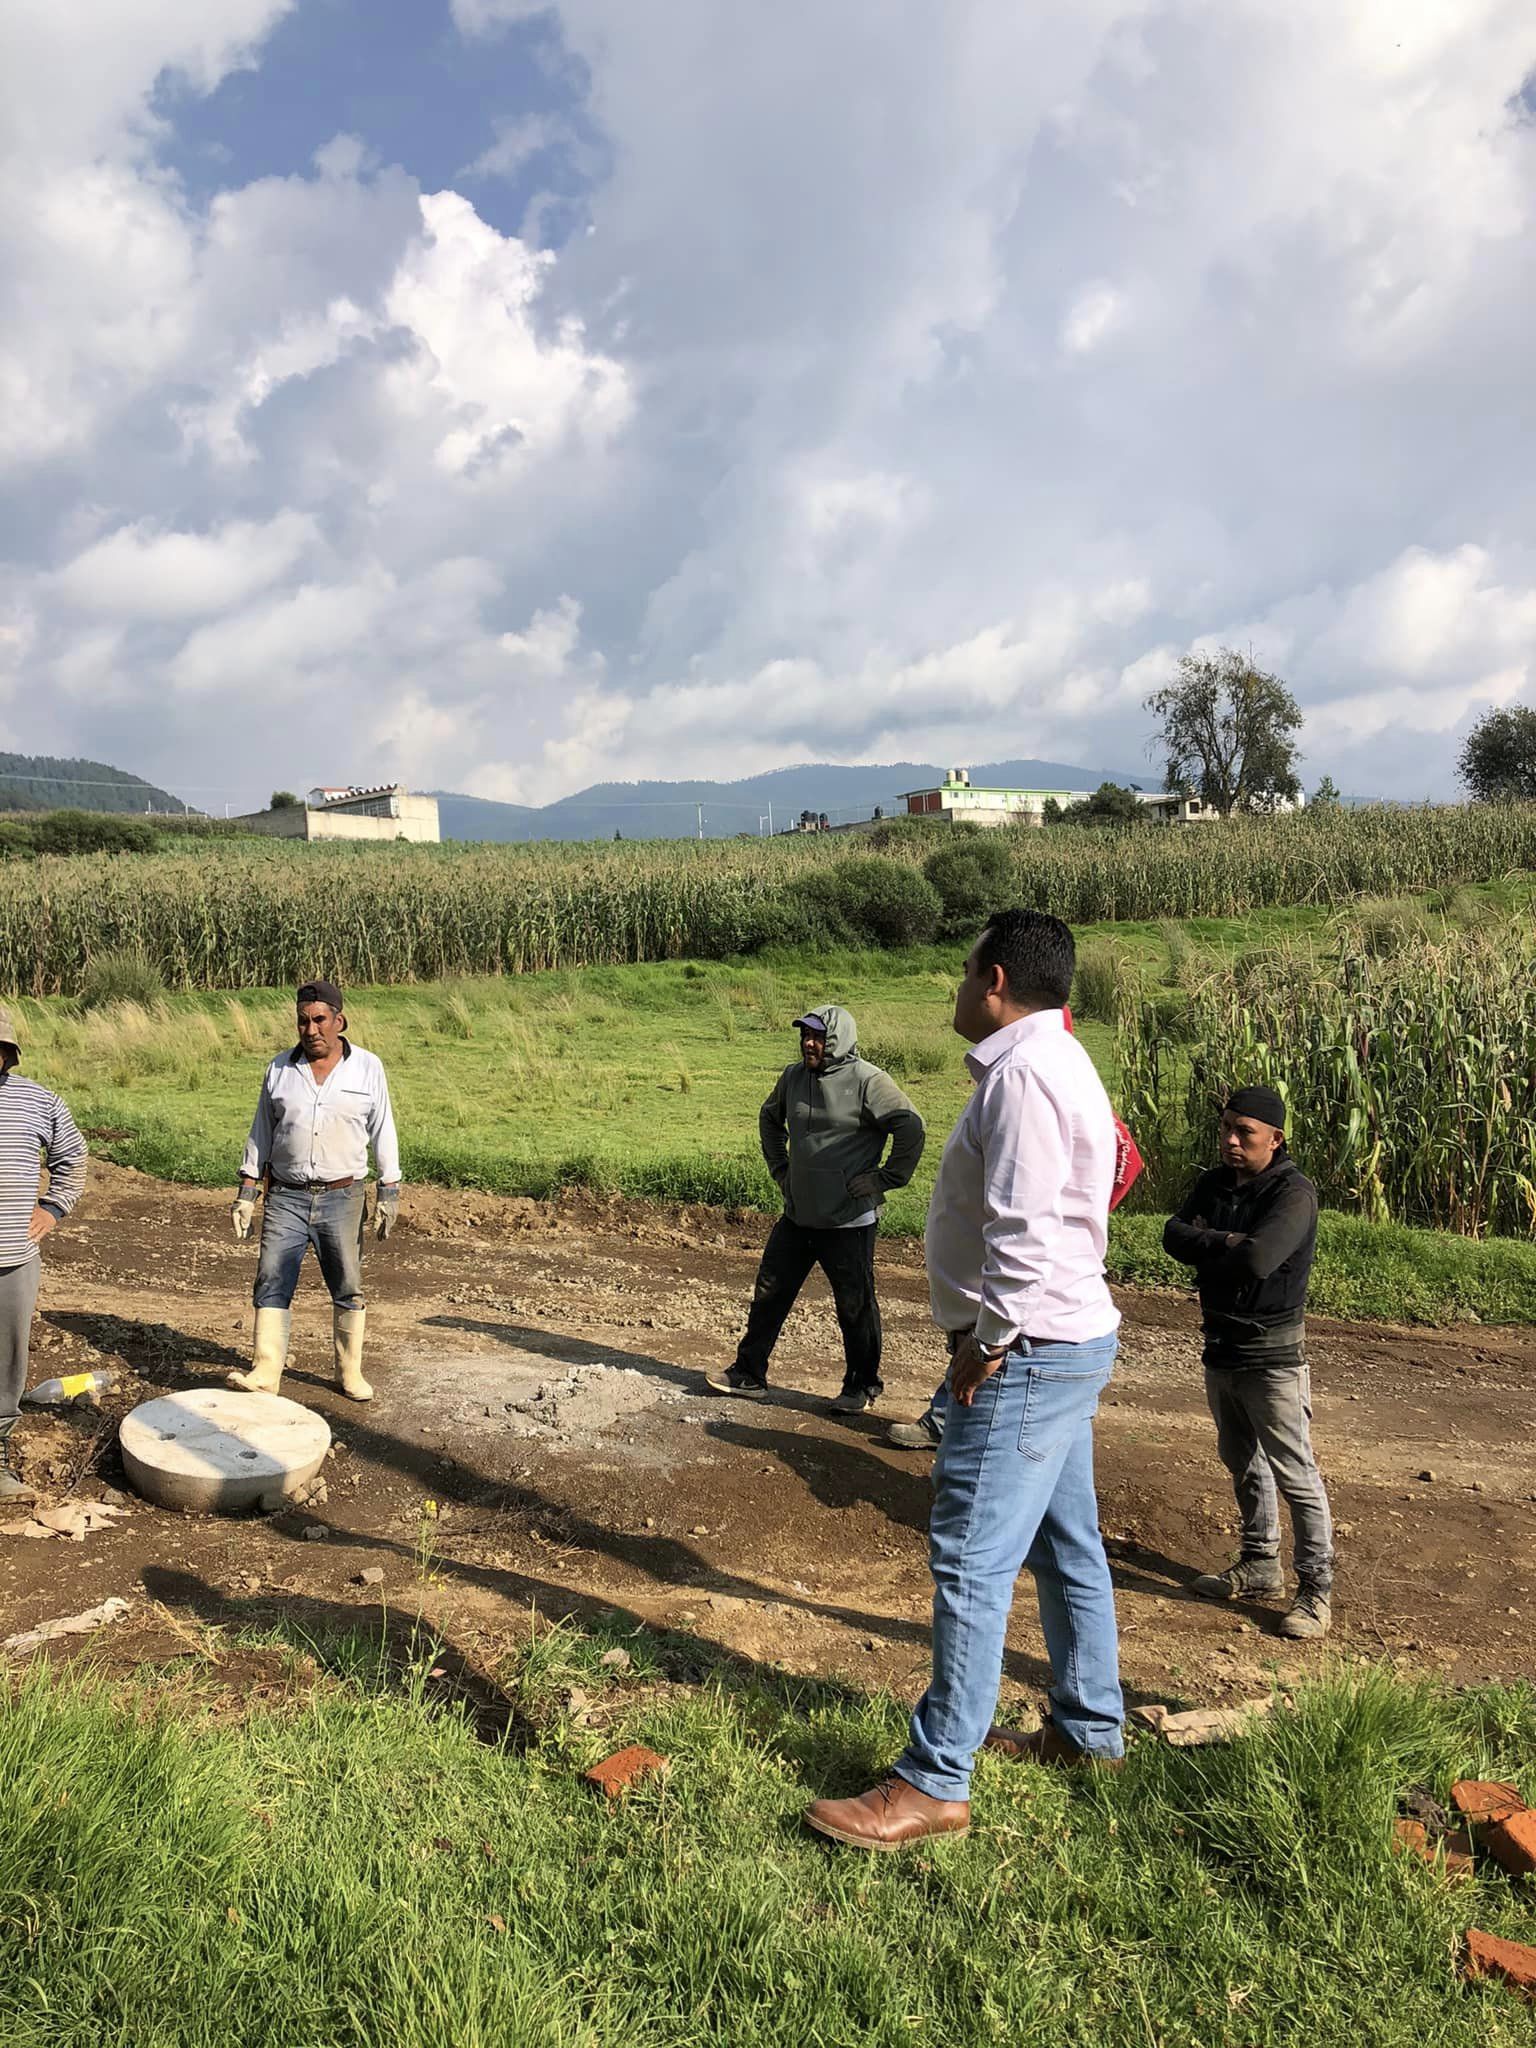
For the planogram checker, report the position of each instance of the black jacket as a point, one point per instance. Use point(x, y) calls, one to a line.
point(1263, 1280)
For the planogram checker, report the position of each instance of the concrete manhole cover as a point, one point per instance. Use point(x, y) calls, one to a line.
point(215, 1449)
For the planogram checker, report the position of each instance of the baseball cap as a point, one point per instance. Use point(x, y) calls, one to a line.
point(8, 1032)
point(813, 1020)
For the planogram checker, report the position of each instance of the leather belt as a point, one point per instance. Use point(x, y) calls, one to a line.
point(314, 1187)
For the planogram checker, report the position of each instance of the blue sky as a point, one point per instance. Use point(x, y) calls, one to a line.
point(508, 398)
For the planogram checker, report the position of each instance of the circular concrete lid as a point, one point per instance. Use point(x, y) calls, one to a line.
point(214, 1448)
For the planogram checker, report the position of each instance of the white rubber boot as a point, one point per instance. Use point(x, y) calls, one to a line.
point(271, 1353)
point(347, 1324)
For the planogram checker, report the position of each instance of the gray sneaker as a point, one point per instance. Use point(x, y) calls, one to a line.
point(1244, 1579)
point(1310, 1616)
point(852, 1401)
point(922, 1435)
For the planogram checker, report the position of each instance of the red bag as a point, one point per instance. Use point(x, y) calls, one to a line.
point(1128, 1159)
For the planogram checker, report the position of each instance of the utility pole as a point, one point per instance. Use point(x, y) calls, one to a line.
point(770, 817)
point(700, 809)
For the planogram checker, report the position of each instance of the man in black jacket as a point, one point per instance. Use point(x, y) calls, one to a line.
point(1249, 1229)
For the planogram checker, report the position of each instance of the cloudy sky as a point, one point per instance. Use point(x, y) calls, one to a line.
point(505, 397)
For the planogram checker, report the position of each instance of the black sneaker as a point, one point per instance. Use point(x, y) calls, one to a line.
point(853, 1401)
point(736, 1382)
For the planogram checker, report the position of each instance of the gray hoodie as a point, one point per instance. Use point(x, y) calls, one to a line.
point(820, 1131)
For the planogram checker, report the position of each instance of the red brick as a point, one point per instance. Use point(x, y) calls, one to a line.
point(626, 1767)
point(1483, 1800)
point(1510, 1961)
point(1512, 1843)
point(1452, 1856)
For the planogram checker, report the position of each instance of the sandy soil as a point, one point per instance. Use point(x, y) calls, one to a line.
point(538, 1377)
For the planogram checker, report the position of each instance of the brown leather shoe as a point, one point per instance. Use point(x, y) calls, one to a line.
point(1046, 1745)
point(888, 1817)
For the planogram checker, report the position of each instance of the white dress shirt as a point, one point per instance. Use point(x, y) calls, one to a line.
point(1019, 1218)
point(308, 1130)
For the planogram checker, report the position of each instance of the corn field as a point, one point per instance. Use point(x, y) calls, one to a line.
point(1411, 1079)
point(237, 914)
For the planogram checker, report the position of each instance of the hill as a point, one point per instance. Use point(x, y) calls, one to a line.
point(45, 782)
point(670, 810)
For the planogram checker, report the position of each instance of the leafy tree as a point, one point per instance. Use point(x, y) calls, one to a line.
point(283, 800)
point(1225, 731)
point(1110, 804)
point(1497, 762)
point(1051, 812)
point(1326, 796)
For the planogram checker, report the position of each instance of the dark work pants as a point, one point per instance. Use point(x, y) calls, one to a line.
point(847, 1257)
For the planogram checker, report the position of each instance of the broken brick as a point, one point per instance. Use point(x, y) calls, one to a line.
point(1512, 1962)
point(1482, 1799)
point(1450, 1855)
point(1512, 1843)
point(626, 1767)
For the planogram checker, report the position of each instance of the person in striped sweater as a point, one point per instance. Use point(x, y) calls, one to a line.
point(34, 1126)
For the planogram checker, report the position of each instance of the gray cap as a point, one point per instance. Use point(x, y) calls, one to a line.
point(8, 1033)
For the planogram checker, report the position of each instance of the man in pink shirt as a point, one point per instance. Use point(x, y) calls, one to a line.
point(1016, 1237)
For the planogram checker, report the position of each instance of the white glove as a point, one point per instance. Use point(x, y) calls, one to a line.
point(243, 1213)
point(387, 1214)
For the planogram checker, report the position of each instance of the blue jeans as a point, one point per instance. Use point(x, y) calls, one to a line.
point(330, 1219)
point(1013, 1485)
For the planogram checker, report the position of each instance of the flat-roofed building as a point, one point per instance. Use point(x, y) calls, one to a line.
point(385, 812)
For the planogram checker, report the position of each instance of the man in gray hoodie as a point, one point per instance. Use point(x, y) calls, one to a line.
point(824, 1131)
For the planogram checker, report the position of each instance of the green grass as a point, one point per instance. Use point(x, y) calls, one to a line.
point(646, 1081)
point(330, 1872)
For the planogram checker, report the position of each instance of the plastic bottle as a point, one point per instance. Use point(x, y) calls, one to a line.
point(85, 1387)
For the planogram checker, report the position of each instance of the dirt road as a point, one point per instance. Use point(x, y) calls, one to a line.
point(538, 1370)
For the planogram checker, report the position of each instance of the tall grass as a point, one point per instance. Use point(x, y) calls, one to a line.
point(1409, 1070)
point(232, 914)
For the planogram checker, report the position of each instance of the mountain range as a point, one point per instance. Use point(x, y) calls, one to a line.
point(673, 810)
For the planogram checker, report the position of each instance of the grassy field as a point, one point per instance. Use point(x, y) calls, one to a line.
point(351, 1866)
point(647, 1080)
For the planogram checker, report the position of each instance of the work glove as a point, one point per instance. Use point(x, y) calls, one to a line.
point(243, 1212)
point(868, 1185)
point(387, 1212)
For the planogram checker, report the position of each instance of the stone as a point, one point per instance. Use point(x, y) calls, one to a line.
point(1211, 1724)
point(1512, 1962)
point(216, 1450)
point(372, 1576)
point(616, 1774)
point(614, 1660)
point(1449, 1855)
point(316, 1532)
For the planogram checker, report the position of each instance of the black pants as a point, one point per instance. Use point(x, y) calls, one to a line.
point(847, 1257)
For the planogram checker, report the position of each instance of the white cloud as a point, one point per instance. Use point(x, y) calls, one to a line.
point(140, 573)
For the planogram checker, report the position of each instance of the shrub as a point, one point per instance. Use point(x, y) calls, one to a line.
point(1100, 985)
point(119, 977)
point(882, 902)
point(974, 875)
point(1383, 929)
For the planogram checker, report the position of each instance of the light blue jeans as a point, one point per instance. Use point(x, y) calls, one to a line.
point(295, 1219)
point(1013, 1485)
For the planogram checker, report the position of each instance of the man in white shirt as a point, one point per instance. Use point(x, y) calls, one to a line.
point(1017, 1227)
point(321, 1106)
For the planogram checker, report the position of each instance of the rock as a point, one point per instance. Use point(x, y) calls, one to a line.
point(1151, 1716)
point(699, 1529)
point(614, 1660)
point(616, 1774)
point(1211, 1724)
point(1449, 1855)
point(372, 1576)
point(1427, 1476)
point(316, 1532)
